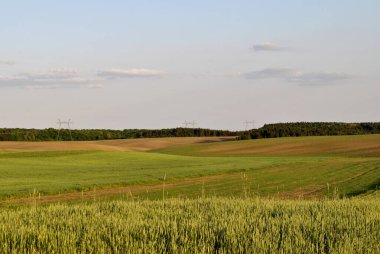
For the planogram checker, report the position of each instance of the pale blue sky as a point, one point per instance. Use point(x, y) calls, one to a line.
point(154, 64)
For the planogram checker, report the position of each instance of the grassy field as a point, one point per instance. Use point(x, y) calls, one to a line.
point(191, 195)
point(194, 167)
point(211, 225)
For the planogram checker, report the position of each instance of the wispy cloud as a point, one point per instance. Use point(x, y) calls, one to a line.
point(298, 77)
point(271, 73)
point(65, 70)
point(54, 78)
point(68, 77)
point(129, 73)
point(5, 62)
point(319, 78)
point(268, 46)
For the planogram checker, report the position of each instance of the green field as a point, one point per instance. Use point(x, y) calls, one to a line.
point(285, 167)
point(285, 195)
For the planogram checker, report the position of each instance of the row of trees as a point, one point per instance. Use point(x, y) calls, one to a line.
point(267, 131)
point(51, 134)
point(310, 129)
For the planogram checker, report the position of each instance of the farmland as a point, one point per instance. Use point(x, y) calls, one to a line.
point(191, 195)
point(285, 167)
point(211, 225)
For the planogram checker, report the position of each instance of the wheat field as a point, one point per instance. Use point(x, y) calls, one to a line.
point(209, 225)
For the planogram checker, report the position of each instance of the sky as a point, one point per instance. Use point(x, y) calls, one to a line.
point(121, 64)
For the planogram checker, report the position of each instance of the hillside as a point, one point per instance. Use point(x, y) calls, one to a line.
point(307, 167)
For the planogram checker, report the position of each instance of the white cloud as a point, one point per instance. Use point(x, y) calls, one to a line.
point(268, 46)
point(297, 76)
point(129, 73)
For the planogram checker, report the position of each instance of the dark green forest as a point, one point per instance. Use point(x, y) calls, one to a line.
point(11, 134)
point(267, 131)
point(310, 129)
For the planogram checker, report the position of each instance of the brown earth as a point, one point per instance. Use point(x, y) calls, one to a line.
point(141, 144)
point(368, 145)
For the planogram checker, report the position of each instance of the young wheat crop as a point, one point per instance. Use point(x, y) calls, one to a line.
point(217, 225)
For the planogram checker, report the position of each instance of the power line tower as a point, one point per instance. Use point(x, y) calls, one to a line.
point(193, 124)
point(64, 123)
point(249, 123)
point(187, 124)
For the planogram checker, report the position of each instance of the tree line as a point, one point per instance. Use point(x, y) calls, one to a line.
point(267, 131)
point(50, 134)
point(310, 129)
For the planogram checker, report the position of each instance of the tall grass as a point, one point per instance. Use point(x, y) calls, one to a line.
point(209, 225)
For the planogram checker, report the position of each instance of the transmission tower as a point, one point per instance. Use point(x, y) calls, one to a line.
point(249, 123)
point(186, 124)
point(193, 123)
point(64, 123)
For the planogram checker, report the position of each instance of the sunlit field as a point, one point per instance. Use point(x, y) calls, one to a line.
point(286, 195)
point(307, 167)
point(211, 225)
